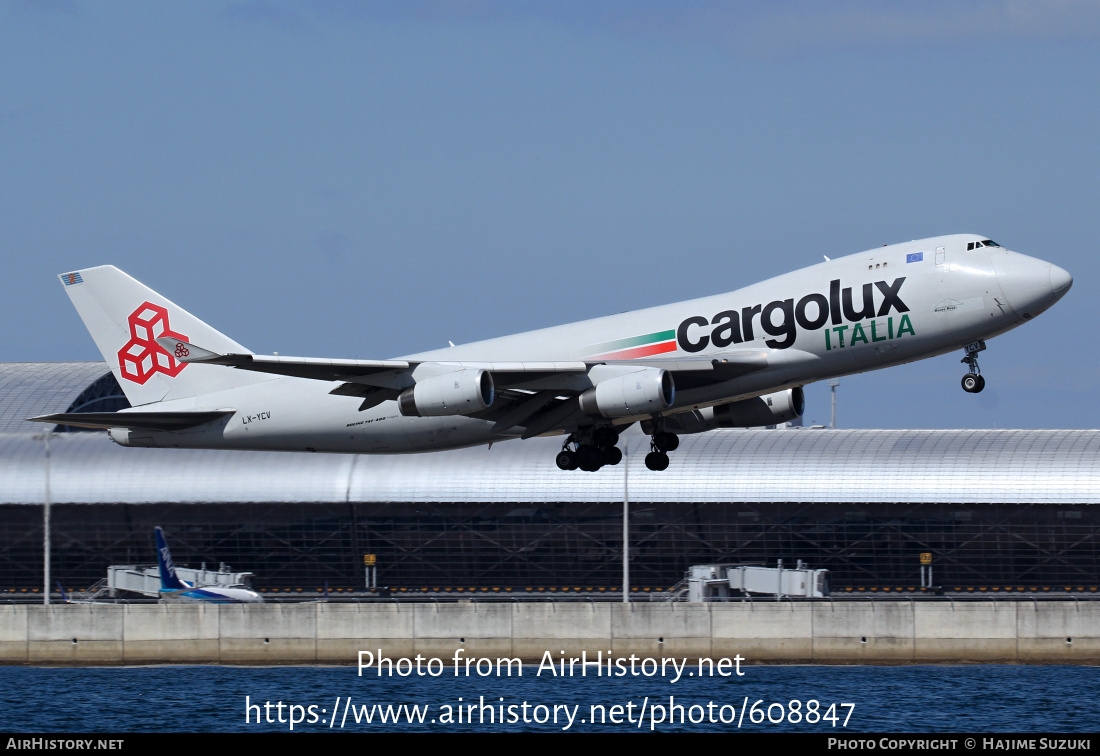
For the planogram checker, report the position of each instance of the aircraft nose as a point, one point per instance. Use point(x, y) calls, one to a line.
point(1031, 285)
point(1060, 280)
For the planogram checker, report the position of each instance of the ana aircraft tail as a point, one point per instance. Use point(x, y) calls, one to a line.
point(169, 580)
point(126, 317)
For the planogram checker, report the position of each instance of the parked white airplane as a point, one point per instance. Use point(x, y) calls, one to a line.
point(731, 360)
point(173, 589)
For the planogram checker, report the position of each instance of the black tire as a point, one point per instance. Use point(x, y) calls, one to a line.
point(605, 436)
point(666, 441)
point(612, 455)
point(972, 383)
point(981, 384)
point(566, 460)
point(656, 461)
point(589, 457)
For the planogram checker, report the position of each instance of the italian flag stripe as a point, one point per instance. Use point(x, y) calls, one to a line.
point(642, 351)
point(634, 341)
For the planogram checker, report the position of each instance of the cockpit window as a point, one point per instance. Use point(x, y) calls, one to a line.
point(990, 243)
point(984, 243)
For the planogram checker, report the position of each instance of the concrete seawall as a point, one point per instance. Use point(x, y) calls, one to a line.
point(824, 632)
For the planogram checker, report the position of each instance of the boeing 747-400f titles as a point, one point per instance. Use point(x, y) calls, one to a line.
point(725, 361)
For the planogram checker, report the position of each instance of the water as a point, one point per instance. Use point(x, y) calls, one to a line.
point(939, 699)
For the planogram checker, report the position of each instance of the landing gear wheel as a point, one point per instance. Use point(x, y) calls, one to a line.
point(972, 383)
point(665, 441)
point(656, 461)
point(589, 458)
point(605, 436)
point(612, 455)
point(566, 460)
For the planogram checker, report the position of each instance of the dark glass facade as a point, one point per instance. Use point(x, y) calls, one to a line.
point(564, 545)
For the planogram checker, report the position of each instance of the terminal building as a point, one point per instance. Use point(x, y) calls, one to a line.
point(996, 509)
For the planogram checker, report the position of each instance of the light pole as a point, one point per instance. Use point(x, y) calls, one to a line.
point(46, 526)
point(832, 385)
point(626, 525)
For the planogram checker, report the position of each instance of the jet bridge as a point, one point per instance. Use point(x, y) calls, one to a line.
point(720, 582)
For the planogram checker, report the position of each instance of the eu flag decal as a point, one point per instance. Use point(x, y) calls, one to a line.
point(71, 278)
point(914, 257)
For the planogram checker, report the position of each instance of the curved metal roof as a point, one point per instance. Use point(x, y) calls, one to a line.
point(809, 465)
point(42, 388)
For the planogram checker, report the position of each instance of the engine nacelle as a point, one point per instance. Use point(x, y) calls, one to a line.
point(769, 409)
point(642, 393)
point(457, 393)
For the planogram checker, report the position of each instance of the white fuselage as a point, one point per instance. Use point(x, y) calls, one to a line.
point(212, 595)
point(867, 311)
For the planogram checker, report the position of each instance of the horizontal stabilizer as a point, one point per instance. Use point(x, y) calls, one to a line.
point(156, 421)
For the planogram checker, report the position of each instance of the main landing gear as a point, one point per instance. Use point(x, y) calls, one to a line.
point(661, 443)
point(973, 382)
point(592, 449)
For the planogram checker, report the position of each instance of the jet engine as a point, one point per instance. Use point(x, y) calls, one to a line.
point(641, 393)
point(769, 409)
point(458, 393)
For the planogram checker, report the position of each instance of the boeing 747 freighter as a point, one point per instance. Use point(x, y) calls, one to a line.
point(726, 361)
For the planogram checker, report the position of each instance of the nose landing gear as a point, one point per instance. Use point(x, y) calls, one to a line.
point(973, 382)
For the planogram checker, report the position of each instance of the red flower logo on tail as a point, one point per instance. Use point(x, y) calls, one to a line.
point(142, 356)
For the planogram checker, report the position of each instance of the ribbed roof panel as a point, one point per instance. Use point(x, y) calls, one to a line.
point(963, 466)
point(28, 389)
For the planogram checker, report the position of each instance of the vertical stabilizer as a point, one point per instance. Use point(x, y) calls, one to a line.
point(169, 581)
point(126, 317)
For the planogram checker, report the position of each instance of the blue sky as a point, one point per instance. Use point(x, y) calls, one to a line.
point(362, 179)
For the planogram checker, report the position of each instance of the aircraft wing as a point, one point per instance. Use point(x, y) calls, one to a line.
point(714, 368)
point(297, 367)
point(538, 396)
point(380, 373)
point(551, 408)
